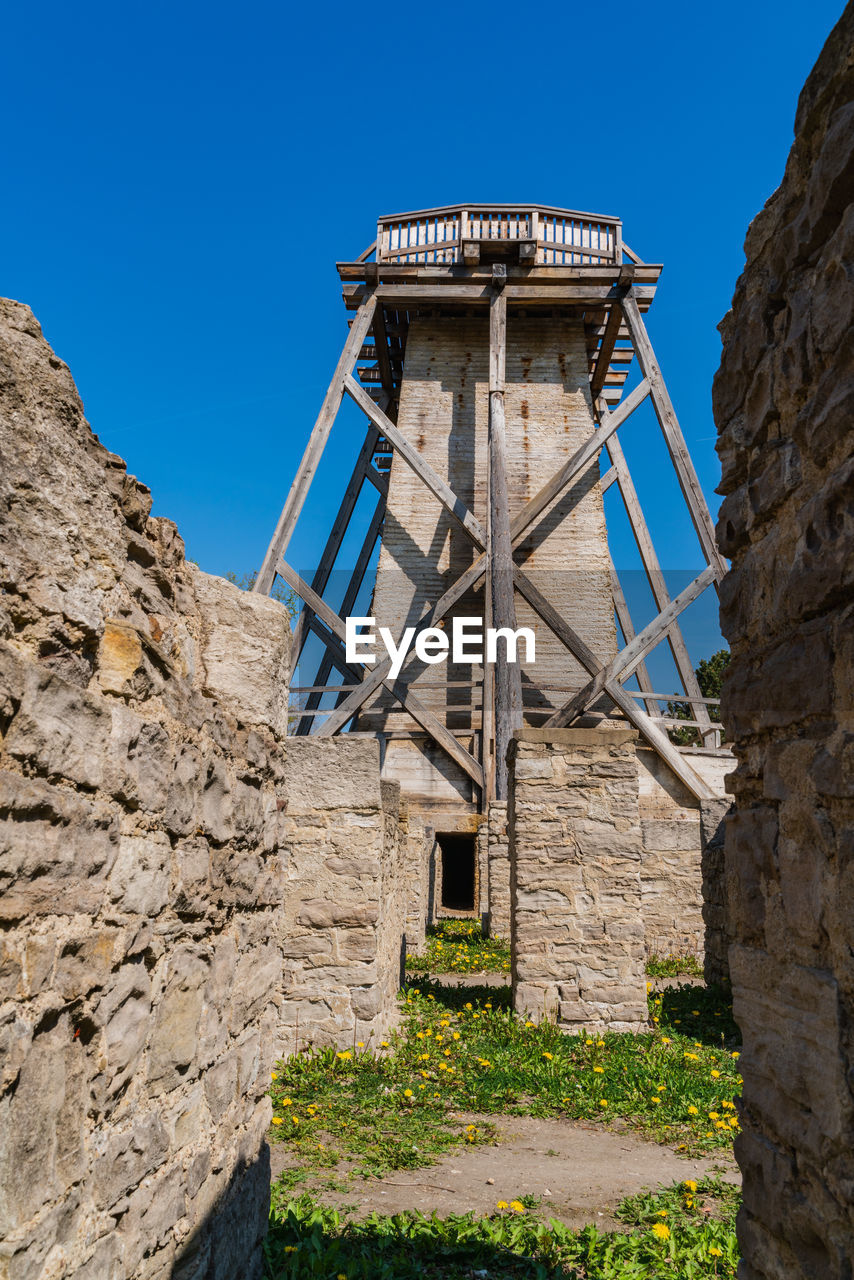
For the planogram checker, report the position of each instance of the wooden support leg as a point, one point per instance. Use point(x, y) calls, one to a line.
point(335, 539)
point(357, 577)
point(655, 577)
point(678, 450)
point(507, 676)
point(314, 449)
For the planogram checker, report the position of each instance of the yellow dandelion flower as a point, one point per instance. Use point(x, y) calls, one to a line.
point(502, 1204)
point(662, 1213)
point(456, 1035)
point(344, 1055)
point(600, 1044)
point(715, 1075)
point(713, 1115)
point(295, 1120)
point(693, 1111)
point(273, 1075)
point(277, 1119)
point(603, 1102)
point(517, 1206)
point(598, 1071)
point(407, 1093)
point(548, 1056)
point(690, 1184)
point(660, 1230)
point(655, 1098)
point(286, 1102)
point(715, 1252)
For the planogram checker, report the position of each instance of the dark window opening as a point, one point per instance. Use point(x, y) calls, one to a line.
point(458, 868)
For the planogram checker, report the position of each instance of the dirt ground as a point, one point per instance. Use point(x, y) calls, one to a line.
point(581, 1172)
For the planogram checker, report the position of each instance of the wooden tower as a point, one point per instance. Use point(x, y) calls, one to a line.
point(488, 351)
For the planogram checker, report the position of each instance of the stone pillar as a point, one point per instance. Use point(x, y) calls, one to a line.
point(784, 404)
point(716, 891)
point(575, 854)
point(498, 869)
point(342, 924)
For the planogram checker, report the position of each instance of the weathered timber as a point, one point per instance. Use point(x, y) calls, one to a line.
point(314, 449)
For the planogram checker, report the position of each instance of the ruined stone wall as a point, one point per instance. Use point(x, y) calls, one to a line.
point(498, 868)
point(342, 922)
point(577, 936)
point(672, 865)
point(145, 835)
point(784, 404)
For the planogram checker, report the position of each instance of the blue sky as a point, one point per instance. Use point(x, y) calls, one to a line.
point(181, 178)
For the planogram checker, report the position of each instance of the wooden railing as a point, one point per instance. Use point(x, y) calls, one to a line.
point(563, 237)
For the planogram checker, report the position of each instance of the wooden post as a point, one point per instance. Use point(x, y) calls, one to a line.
point(508, 679)
point(316, 444)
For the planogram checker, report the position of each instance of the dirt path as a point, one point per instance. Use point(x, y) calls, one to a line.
point(581, 1172)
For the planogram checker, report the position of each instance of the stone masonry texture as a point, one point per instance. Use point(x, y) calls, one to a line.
point(148, 849)
point(577, 936)
point(784, 405)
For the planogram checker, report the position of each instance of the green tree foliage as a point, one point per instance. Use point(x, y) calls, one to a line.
point(280, 592)
point(710, 677)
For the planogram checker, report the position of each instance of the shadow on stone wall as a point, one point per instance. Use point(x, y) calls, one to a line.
point(225, 1244)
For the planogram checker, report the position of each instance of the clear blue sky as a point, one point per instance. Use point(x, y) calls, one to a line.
point(180, 179)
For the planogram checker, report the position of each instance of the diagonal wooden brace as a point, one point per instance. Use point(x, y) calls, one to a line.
point(633, 654)
point(413, 705)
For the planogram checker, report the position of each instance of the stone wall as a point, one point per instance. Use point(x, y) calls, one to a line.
point(146, 849)
point(342, 923)
point(784, 404)
point(494, 831)
point(671, 869)
point(577, 936)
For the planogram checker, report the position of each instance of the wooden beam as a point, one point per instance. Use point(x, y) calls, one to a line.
point(397, 687)
point(632, 654)
point(383, 361)
point(652, 568)
point(314, 449)
point(434, 482)
point(624, 618)
point(579, 461)
point(334, 541)
point(606, 350)
point(507, 675)
point(678, 450)
point(366, 253)
point(353, 587)
point(611, 687)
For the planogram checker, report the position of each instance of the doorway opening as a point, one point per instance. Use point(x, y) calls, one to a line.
point(458, 870)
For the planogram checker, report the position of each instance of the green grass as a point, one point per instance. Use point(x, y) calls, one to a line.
point(687, 1231)
point(363, 1112)
point(671, 966)
point(458, 946)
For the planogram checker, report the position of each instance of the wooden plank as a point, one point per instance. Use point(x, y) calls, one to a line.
point(434, 482)
point(660, 742)
point(579, 461)
point(652, 568)
point(678, 450)
point(551, 294)
point(624, 618)
point(397, 687)
point(507, 675)
point(366, 253)
point(314, 449)
point(609, 341)
point(383, 361)
point(353, 587)
point(558, 625)
point(642, 722)
point(333, 542)
point(632, 654)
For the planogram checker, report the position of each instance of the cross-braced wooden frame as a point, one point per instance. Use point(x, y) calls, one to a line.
point(615, 292)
